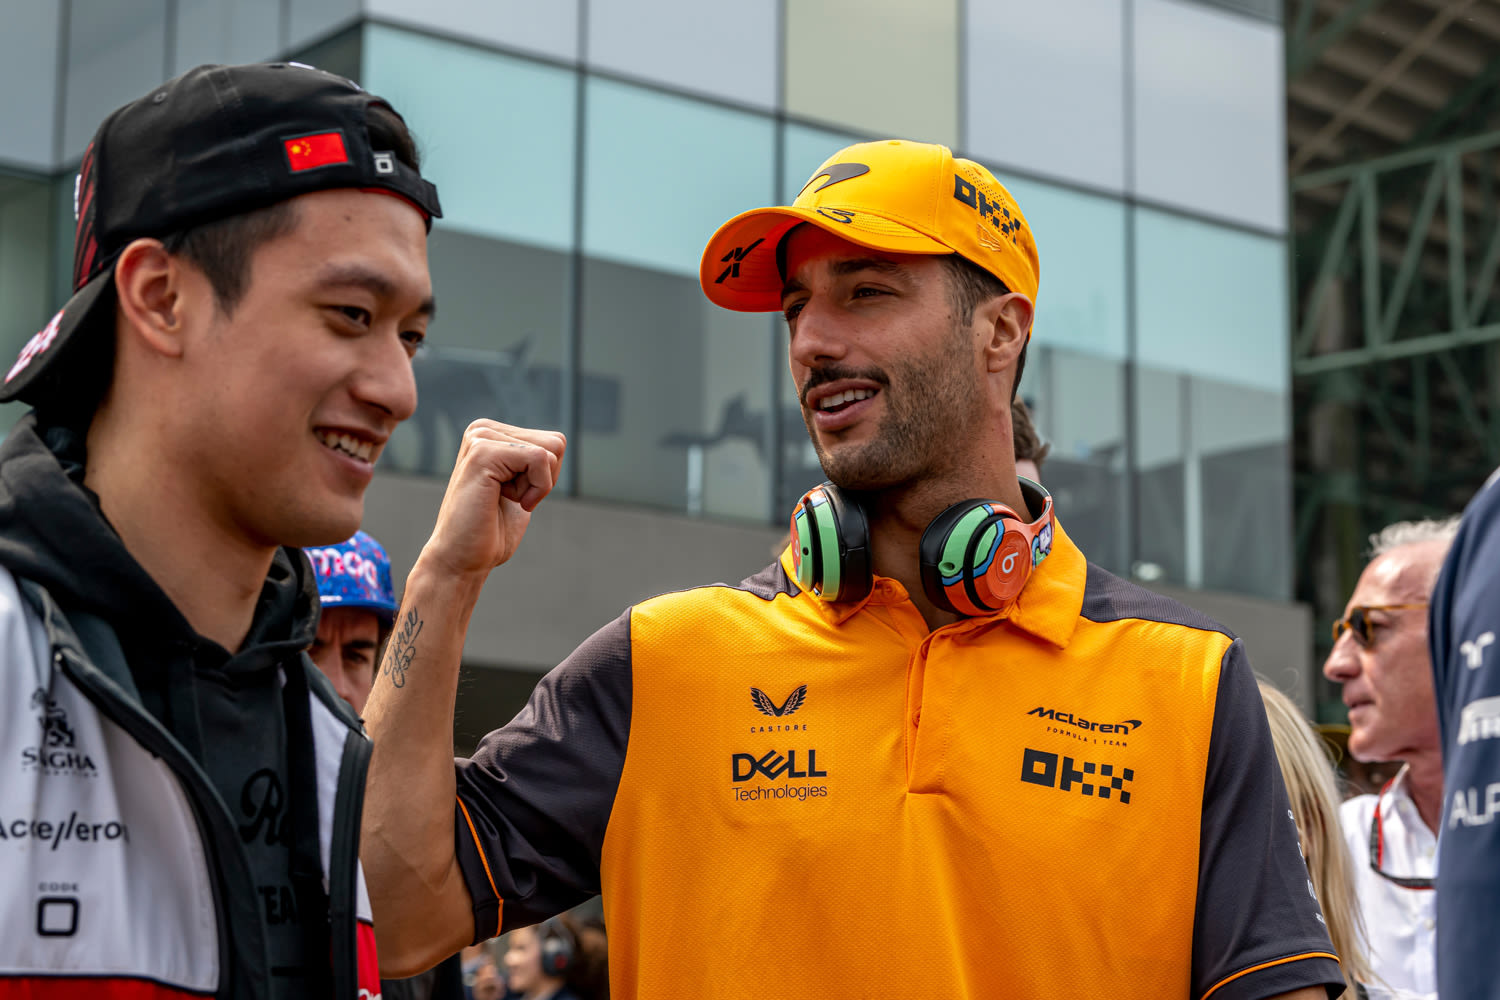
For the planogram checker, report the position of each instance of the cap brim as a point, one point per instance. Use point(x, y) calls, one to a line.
point(384, 612)
point(739, 271)
point(46, 368)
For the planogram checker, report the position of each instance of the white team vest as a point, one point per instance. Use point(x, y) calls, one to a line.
point(105, 869)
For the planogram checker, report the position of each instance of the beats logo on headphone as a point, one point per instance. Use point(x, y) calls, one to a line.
point(556, 947)
point(976, 556)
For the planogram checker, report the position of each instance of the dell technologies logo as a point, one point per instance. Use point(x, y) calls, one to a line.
point(773, 765)
point(776, 766)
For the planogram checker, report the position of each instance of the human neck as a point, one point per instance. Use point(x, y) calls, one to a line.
point(1424, 782)
point(541, 992)
point(213, 576)
point(898, 517)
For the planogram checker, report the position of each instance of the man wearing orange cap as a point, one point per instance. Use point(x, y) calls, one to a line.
point(929, 729)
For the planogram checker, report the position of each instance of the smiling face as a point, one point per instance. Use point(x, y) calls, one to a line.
point(892, 382)
point(281, 407)
point(1388, 683)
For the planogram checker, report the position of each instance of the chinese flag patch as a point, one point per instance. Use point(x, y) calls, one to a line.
point(308, 152)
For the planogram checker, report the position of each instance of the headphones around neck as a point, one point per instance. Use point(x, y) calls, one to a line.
point(556, 947)
point(976, 556)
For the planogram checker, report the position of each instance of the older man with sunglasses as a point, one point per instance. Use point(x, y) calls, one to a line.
point(1380, 656)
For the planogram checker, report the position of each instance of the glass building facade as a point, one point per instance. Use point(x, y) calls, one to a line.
point(586, 149)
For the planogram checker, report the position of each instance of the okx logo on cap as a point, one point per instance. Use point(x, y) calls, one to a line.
point(893, 195)
point(355, 574)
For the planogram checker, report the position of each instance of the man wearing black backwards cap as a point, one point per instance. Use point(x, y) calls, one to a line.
point(929, 729)
point(179, 786)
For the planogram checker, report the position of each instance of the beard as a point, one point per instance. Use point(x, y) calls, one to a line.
point(931, 403)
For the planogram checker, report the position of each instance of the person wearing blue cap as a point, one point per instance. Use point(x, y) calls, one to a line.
point(359, 604)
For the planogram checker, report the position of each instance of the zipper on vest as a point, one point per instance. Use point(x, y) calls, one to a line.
point(343, 863)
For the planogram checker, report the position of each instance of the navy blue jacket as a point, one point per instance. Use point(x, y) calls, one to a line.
point(1463, 631)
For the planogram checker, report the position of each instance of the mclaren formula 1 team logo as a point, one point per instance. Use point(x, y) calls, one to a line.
point(1083, 730)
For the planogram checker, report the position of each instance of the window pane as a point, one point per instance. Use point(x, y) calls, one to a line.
point(1214, 480)
point(1210, 112)
point(728, 50)
point(311, 20)
point(1080, 243)
point(689, 385)
point(28, 65)
point(1242, 435)
point(549, 28)
point(1078, 404)
point(491, 181)
point(495, 350)
point(887, 67)
point(26, 301)
point(1069, 123)
point(1161, 402)
point(664, 172)
point(1212, 301)
point(116, 53)
point(225, 31)
point(341, 54)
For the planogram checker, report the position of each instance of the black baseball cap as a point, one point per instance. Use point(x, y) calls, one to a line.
point(216, 141)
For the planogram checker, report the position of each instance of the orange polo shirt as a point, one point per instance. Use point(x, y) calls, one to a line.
point(780, 796)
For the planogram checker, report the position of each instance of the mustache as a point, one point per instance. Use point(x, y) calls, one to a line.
point(835, 373)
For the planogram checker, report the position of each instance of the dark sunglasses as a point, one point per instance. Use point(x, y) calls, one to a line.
point(1358, 621)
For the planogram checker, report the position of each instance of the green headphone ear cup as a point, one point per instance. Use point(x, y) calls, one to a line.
point(831, 551)
point(826, 532)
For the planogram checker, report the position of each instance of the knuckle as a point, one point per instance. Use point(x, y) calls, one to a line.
point(478, 426)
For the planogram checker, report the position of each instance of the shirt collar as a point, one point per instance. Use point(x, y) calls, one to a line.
point(1048, 607)
point(1400, 785)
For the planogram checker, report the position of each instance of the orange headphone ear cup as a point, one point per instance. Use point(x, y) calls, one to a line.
point(1010, 568)
point(957, 551)
point(977, 555)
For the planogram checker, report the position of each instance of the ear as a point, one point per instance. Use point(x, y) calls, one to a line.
point(1006, 319)
point(152, 297)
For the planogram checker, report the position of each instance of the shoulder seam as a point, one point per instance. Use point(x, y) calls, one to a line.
point(1211, 626)
point(1108, 598)
point(780, 591)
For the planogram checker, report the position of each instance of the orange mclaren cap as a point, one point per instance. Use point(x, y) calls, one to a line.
point(894, 195)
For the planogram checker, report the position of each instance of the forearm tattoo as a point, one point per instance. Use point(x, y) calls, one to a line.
point(403, 648)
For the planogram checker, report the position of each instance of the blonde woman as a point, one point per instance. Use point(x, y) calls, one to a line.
point(1309, 776)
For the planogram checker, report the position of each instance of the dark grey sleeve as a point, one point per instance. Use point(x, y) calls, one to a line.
point(534, 800)
point(1258, 931)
